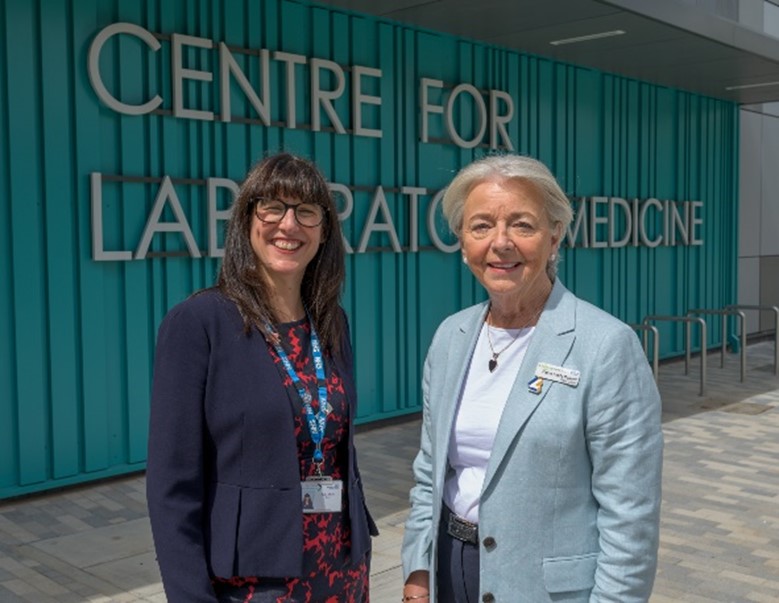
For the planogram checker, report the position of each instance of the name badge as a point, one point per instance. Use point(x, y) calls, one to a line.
point(322, 495)
point(560, 374)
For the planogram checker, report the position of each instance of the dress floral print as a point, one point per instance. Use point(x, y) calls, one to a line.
point(329, 576)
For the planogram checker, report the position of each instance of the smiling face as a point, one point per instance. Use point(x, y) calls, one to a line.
point(284, 249)
point(507, 240)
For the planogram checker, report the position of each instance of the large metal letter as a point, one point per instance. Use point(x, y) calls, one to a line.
point(228, 65)
point(413, 215)
point(481, 115)
point(498, 122)
point(431, 229)
point(93, 67)
point(179, 74)
point(595, 220)
point(580, 218)
point(379, 204)
point(613, 203)
point(215, 215)
point(695, 221)
point(291, 60)
point(642, 223)
point(425, 104)
point(325, 98)
point(359, 99)
point(153, 224)
point(98, 253)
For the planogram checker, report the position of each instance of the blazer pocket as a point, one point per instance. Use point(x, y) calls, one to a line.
point(568, 574)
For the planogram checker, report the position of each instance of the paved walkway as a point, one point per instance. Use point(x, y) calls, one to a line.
point(720, 516)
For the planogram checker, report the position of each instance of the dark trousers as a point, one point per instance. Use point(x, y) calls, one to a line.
point(458, 567)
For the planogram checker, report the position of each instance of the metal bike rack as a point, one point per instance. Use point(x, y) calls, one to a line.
point(775, 310)
point(646, 329)
point(725, 313)
point(689, 320)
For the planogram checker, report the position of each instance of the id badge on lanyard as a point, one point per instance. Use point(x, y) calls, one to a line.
point(319, 493)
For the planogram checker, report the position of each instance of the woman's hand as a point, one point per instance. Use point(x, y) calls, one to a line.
point(417, 587)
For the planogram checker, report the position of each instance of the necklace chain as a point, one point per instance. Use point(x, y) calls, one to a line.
point(493, 363)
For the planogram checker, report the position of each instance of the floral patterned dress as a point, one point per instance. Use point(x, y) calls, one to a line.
point(328, 573)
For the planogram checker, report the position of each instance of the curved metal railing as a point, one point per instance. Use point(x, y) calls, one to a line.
point(687, 341)
point(725, 312)
point(775, 310)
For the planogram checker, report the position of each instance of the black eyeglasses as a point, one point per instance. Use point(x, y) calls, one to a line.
point(272, 211)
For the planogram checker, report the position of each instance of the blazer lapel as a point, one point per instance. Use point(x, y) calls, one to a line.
point(552, 341)
point(458, 360)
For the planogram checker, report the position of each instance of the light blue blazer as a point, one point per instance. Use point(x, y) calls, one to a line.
point(572, 491)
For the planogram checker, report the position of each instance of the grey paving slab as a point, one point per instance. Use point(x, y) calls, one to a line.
point(719, 522)
point(89, 547)
point(137, 575)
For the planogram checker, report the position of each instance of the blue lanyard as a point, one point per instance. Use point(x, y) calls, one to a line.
point(316, 421)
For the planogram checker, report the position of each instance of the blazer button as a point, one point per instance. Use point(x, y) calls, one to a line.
point(488, 598)
point(489, 542)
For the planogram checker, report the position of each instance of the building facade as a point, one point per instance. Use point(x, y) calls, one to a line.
point(127, 127)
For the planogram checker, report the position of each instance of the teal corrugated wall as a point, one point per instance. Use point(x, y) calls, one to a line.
point(77, 335)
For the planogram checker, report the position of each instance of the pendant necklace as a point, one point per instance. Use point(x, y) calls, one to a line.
point(493, 363)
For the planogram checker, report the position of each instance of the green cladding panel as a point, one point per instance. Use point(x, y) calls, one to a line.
point(106, 204)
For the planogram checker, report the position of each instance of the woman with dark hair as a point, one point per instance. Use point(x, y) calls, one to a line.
point(252, 407)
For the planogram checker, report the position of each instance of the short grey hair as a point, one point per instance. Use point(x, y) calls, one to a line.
point(509, 167)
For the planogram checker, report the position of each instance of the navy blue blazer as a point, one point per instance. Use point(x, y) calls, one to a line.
point(223, 477)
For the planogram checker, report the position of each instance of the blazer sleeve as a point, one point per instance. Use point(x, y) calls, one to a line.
point(417, 537)
point(348, 367)
point(175, 470)
point(625, 442)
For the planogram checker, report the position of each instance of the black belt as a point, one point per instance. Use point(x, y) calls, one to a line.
point(460, 528)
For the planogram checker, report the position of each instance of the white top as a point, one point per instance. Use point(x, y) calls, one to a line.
point(483, 398)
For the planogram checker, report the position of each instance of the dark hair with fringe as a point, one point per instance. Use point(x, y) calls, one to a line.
point(288, 176)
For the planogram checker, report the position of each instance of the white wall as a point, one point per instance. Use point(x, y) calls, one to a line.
point(750, 200)
point(758, 262)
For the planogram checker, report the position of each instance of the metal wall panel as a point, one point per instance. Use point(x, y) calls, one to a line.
point(77, 335)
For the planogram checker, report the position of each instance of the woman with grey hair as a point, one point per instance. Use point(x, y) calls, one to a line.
point(539, 470)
